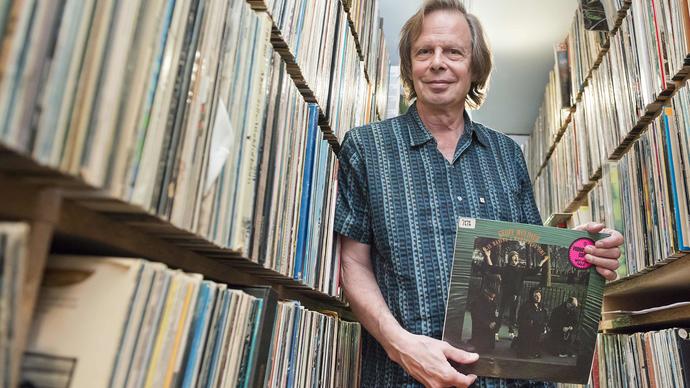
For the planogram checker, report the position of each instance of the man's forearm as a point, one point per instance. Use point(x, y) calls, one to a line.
point(366, 301)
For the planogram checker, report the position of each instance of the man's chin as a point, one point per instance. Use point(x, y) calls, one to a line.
point(439, 100)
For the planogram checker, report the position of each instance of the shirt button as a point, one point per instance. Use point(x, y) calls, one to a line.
point(481, 200)
point(459, 198)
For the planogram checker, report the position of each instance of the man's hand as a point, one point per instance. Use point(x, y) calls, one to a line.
point(426, 359)
point(605, 253)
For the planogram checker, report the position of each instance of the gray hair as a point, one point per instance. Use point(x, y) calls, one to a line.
point(481, 61)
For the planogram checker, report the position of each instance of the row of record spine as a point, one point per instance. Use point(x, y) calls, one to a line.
point(184, 109)
point(119, 322)
point(649, 359)
point(646, 47)
point(646, 359)
point(646, 193)
point(628, 79)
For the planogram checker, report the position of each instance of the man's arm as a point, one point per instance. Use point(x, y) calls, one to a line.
point(424, 358)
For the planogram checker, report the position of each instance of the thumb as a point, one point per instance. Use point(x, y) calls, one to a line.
point(459, 355)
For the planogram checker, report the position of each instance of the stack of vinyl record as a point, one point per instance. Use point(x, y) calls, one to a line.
point(652, 359)
point(295, 202)
point(364, 15)
point(379, 65)
point(595, 118)
point(553, 111)
point(310, 349)
point(559, 181)
point(348, 105)
point(131, 323)
point(584, 47)
point(308, 28)
point(632, 73)
point(654, 182)
point(14, 239)
point(183, 109)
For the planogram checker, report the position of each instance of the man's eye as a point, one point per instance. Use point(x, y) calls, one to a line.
point(423, 51)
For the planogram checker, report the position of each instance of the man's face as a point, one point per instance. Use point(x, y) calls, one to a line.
point(514, 259)
point(441, 58)
point(536, 296)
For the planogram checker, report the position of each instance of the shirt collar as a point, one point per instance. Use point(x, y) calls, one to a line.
point(419, 134)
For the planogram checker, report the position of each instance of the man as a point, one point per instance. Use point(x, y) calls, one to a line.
point(404, 182)
point(562, 326)
point(532, 319)
point(512, 279)
point(484, 316)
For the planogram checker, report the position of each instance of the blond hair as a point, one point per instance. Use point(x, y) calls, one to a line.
point(480, 65)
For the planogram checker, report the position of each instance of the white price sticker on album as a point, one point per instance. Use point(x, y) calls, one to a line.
point(466, 223)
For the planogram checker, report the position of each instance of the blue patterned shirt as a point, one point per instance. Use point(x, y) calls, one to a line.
point(397, 193)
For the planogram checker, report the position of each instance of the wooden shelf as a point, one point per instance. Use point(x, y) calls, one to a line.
point(295, 72)
point(39, 208)
point(658, 319)
point(667, 282)
point(653, 111)
point(88, 218)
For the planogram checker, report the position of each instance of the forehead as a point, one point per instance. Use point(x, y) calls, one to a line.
point(444, 27)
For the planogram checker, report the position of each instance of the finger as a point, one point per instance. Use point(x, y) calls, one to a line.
point(609, 253)
point(591, 227)
point(457, 379)
point(459, 355)
point(607, 274)
point(614, 239)
point(602, 262)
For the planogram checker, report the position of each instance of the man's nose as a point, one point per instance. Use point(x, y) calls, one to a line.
point(437, 62)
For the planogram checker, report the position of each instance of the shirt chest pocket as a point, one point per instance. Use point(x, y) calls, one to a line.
point(503, 203)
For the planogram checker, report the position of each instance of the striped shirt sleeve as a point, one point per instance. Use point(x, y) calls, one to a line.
point(352, 217)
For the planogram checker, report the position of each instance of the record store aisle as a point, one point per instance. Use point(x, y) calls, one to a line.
point(168, 178)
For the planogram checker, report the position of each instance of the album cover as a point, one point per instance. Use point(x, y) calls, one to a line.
point(524, 298)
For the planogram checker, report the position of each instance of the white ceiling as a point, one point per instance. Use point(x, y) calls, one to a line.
point(522, 34)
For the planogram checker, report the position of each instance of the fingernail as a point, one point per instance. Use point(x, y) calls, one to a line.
point(599, 244)
point(589, 249)
point(589, 258)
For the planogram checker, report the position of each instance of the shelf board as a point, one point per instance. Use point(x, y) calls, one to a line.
point(664, 318)
point(652, 111)
point(88, 217)
point(670, 276)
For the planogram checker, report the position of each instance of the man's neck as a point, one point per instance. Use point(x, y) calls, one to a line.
point(442, 121)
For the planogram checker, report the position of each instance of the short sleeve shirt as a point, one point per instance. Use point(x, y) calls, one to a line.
point(397, 193)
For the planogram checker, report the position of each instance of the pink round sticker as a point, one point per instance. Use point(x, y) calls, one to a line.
point(576, 253)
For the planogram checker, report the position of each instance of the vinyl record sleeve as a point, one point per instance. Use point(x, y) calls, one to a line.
point(553, 336)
